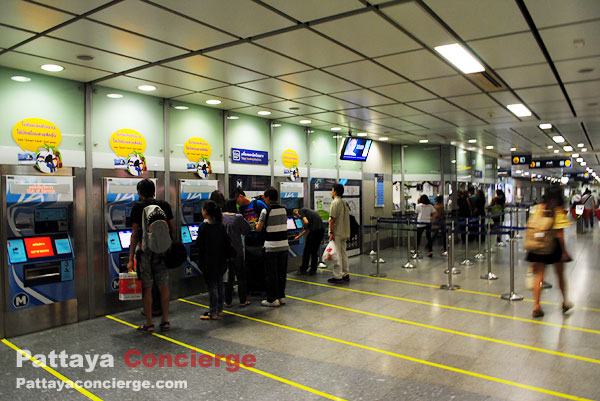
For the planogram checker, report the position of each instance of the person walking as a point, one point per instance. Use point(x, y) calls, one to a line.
point(497, 210)
point(589, 205)
point(424, 214)
point(314, 231)
point(339, 232)
point(552, 207)
point(439, 219)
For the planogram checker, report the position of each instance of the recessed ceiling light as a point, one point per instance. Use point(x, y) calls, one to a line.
point(233, 117)
point(263, 113)
point(114, 95)
point(575, 155)
point(336, 129)
point(213, 101)
point(52, 67)
point(147, 88)
point(549, 146)
point(305, 121)
point(558, 139)
point(526, 173)
point(489, 147)
point(583, 164)
point(584, 149)
point(453, 161)
point(580, 145)
point(85, 57)
point(337, 136)
point(275, 125)
point(461, 58)
point(423, 140)
point(20, 78)
point(568, 148)
point(362, 134)
point(181, 107)
point(556, 150)
point(513, 149)
point(472, 140)
point(519, 110)
point(545, 126)
point(384, 138)
point(579, 159)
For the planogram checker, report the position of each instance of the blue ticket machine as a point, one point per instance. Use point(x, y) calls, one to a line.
point(192, 195)
point(39, 250)
point(292, 197)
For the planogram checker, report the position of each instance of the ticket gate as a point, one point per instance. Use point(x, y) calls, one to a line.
point(39, 267)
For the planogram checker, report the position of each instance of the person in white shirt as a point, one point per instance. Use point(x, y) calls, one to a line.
point(424, 211)
point(589, 205)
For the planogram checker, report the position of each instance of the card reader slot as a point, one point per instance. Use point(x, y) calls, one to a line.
point(41, 273)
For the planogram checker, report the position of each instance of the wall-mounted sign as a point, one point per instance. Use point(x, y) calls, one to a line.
point(39, 139)
point(504, 173)
point(136, 164)
point(248, 156)
point(478, 173)
point(520, 159)
point(48, 159)
point(129, 145)
point(379, 191)
point(198, 152)
point(551, 163)
point(290, 160)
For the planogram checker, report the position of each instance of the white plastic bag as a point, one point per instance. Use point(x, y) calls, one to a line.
point(330, 253)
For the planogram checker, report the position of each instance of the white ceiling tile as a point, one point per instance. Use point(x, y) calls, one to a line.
point(541, 94)
point(26, 62)
point(459, 117)
point(332, 118)
point(30, 16)
point(405, 92)
point(298, 108)
point(77, 7)
point(216, 69)
point(369, 34)
point(365, 73)
point(363, 114)
point(450, 86)
point(363, 97)
point(308, 10)
point(434, 106)
point(397, 124)
point(10, 36)
point(253, 111)
point(426, 120)
point(493, 113)
point(177, 78)
point(523, 77)
point(131, 84)
point(100, 36)
point(509, 50)
point(243, 95)
point(481, 18)
point(295, 119)
point(243, 18)
point(59, 49)
point(559, 41)
point(473, 101)
point(319, 81)
point(327, 102)
point(416, 65)
point(279, 88)
point(587, 107)
point(258, 59)
point(201, 98)
point(311, 48)
point(583, 89)
point(397, 110)
point(556, 12)
point(420, 24)
point(506, 97)
point(157, 23)
point(549, 109)
point(569, 70)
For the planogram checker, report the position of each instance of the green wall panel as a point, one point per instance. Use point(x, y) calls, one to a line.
point(249, 132)
point(323, 150)
point(289, 136)
point(422, 159)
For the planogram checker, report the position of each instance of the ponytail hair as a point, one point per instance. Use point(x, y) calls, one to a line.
point(213, 211)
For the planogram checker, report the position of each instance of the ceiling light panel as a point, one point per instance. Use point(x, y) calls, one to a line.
point(519, 110)
point(463, 60)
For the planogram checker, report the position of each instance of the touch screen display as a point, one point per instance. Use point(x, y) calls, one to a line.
point(62, 245)
point(39, 247)
point(125, 237)
point(114, 245)
point(298, 223)
point(291, 225)
point(194, 232)
point(185, 235)
point(16, 251)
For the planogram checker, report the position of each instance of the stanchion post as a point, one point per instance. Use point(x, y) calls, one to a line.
point(416, 254)
point(466, 261)
point(378, 259)
point(371, 236)
point(517, 236)
point(451, 269)
point(512, 296)
point(489, 275)
point(408, 265)
point(480, 255)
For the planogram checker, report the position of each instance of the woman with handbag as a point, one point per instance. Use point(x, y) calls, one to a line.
point(545, 243)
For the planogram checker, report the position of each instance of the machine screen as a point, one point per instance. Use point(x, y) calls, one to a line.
point(39, 247)
point(125, 237)
point(62, 246)
point(298, 223)
point(51, 214)
point(16, 251)
point(194, 232)
point(185, 235)
point(114, 245)
point(291, 225)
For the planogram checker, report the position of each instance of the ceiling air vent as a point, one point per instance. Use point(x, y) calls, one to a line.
point(487, 81)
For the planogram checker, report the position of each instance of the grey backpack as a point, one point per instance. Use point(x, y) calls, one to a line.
point(155, 228)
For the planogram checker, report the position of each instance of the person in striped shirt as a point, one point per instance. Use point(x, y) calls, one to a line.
point(273, 221)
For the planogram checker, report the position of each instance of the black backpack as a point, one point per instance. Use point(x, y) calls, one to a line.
point(354, 226)
point(176, 255)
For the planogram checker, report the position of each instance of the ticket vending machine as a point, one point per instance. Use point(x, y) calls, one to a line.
point(40, 260)
point(292, 197)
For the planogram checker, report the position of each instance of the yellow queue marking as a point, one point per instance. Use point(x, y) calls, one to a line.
point(52, 371)
point(254, 370)
point(520, 319)
point(487, 294)
point(405, 357)
point(460, 333)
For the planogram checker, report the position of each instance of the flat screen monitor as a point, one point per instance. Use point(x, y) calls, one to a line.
point(62, 246)
point(298, 223)
point(185, 235)
point(114, 245)
point(356, 149)
point(16, 251)
point(125, 238)
point(291, 225)
point(39, 247)
point(194, 231)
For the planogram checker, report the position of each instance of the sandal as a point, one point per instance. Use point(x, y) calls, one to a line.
point(537, 313)
point(245, 304)
point(208, 316)
point(221, 314)
point(165, 326)
point(146, 328)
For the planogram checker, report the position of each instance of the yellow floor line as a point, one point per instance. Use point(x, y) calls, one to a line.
point(460, 333)
point(52, 371)
point(487, 294)
point(520, 319)
point(251, 369)
point(405, 357)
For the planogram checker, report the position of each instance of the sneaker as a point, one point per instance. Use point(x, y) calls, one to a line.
point(346, 277)
point(282, 301)
point(335, 280)
point(272, 304)
point(567, 306)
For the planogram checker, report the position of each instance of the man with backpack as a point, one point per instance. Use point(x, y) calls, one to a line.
point(152, 236)
point(339, 232)
point(589, 205)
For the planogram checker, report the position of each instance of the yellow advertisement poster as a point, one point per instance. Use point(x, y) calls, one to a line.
point(290, 158)
point(33, 133)
point(196, 148)
point(126, 141)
